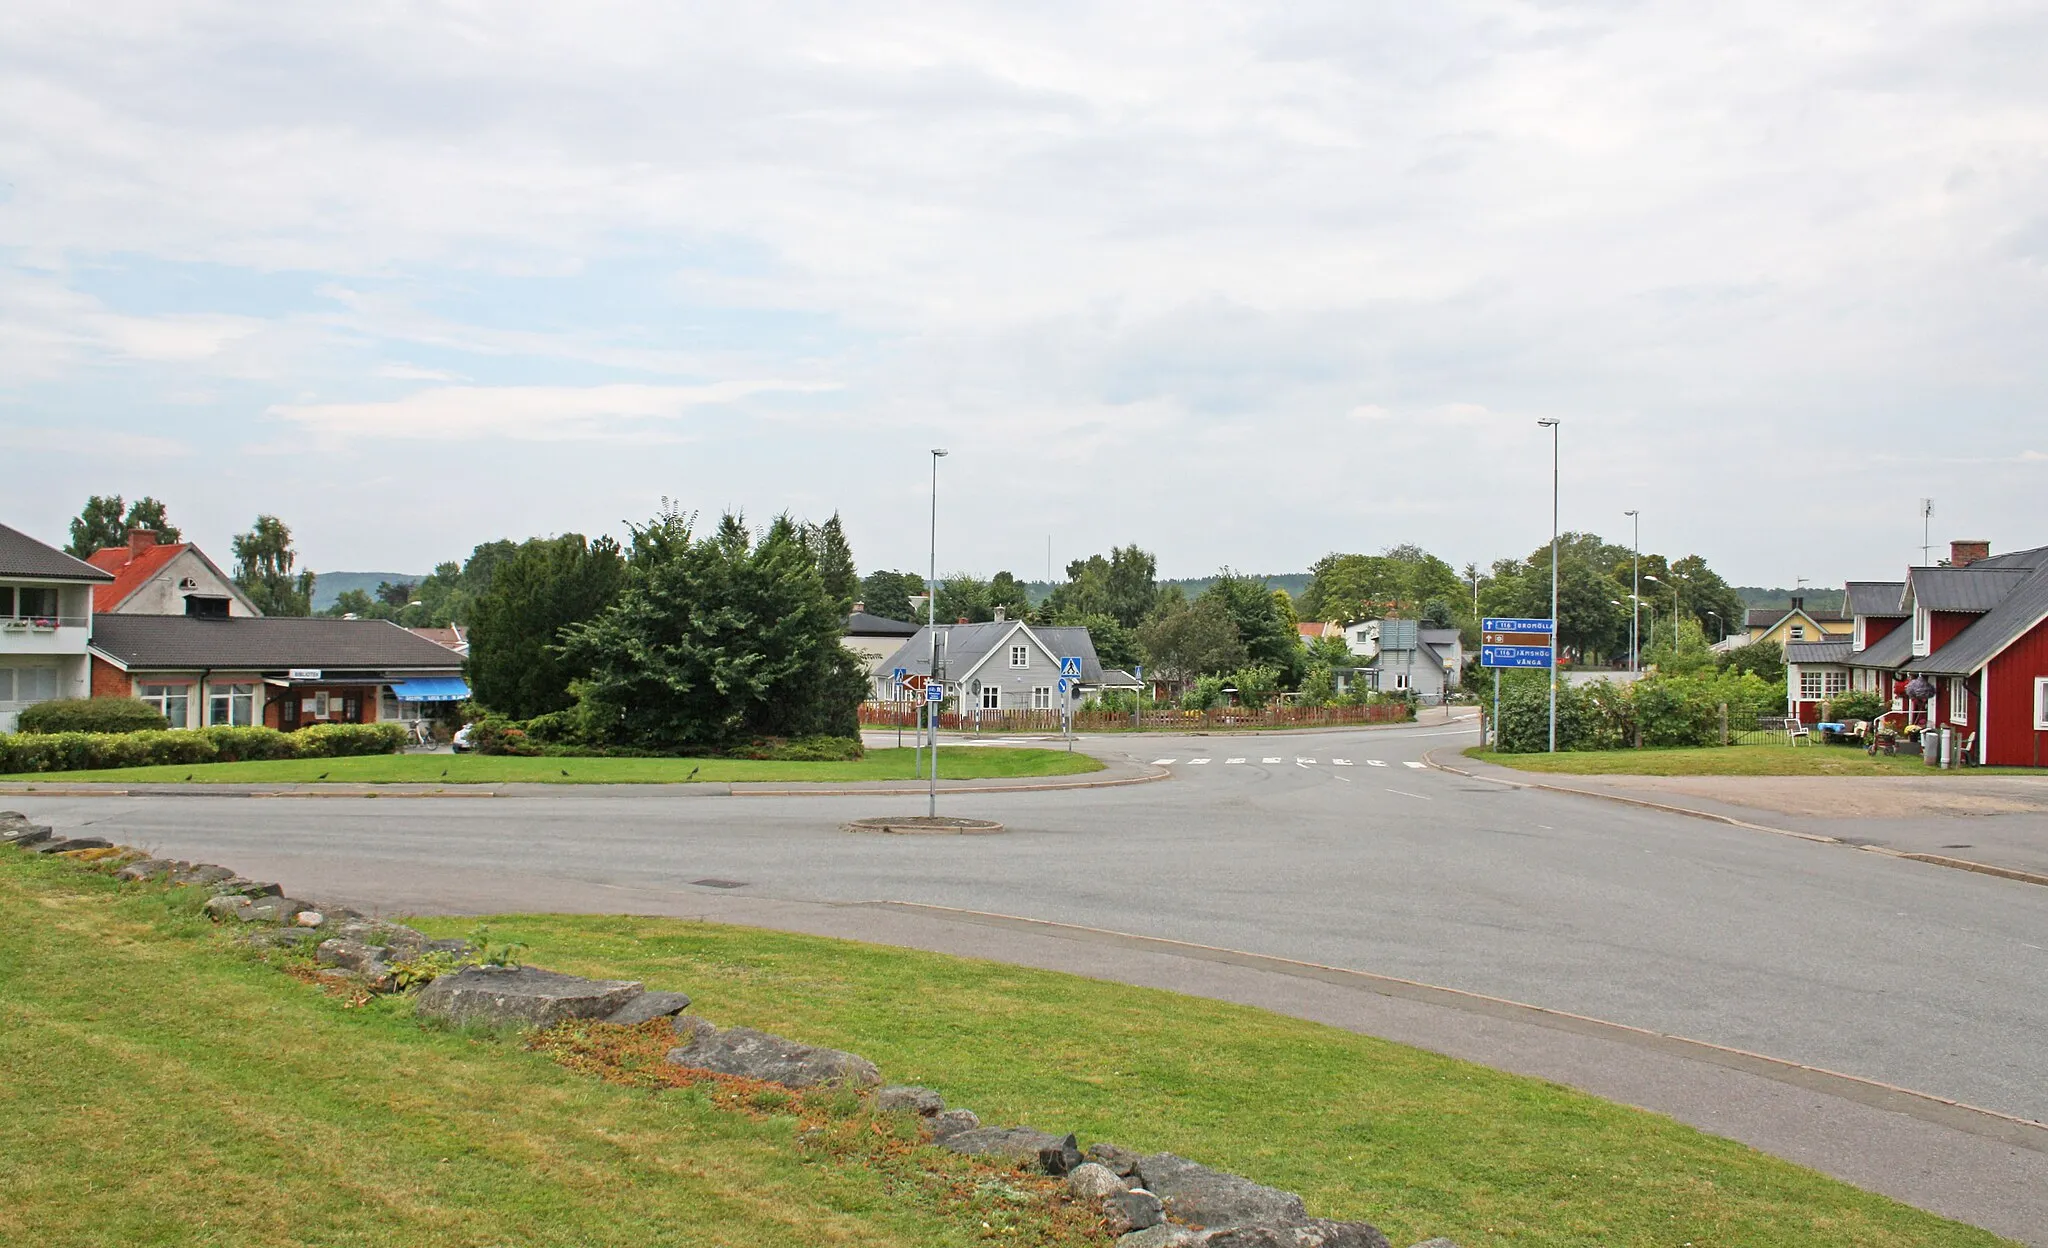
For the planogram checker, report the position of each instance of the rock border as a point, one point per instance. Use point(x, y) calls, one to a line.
point(925, 825)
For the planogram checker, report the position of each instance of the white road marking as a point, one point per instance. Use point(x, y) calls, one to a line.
point(1269, 760)
point(1304, 762)
point(1406, 793)
point(1341, 762)
point(1233, 760)
point(1196, 762)
point(1164, 762)
point(1374, 762)
point(1417, 766)
point(1345, 779)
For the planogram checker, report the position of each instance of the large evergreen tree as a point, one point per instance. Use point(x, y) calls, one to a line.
point(716, 640)
point(545, 587)
point(264, 560)
point(828, 546)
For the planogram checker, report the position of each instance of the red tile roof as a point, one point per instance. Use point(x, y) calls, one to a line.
point(132, 570)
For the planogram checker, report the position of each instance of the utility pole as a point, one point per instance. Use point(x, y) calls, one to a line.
point(1635, 598)
point(1551, 424)
point(931, 712)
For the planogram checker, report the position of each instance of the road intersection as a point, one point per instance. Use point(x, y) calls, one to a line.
point(1325, 850)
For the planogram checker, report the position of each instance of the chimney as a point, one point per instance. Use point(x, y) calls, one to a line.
point(963, 619)
point(859, 607)
point(140, 540)
point(1798, 603)
point(1962, 554)
point(1002, 613)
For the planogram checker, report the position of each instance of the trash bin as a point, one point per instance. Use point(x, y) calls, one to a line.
point(1930, 747)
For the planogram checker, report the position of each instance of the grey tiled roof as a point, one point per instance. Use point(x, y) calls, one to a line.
point(24, 556)
point(967, 644)
point(268, 643)
point(1816, 651)
point(2032, 558)
point(1889, 653)
point(1878, 598)
point(1990, 632)
point(867, 624)
point(1975, 588)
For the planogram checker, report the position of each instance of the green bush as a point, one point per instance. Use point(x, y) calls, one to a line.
point(93, 715)
point(816, 749)
point(1857, 704)
point(22, 753)
point(494, 734)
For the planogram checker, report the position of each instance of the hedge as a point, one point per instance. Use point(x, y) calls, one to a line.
point(24, 752)
point(93, 715)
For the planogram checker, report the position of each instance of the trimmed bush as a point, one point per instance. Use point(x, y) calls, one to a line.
point(25, 752)
point(93, 715)
point(803, 750)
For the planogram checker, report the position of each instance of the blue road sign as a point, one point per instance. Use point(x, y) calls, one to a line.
point(1066, 683)
point(1511, 625)
point(935, 692)
point(1070, 665)
point(899, 674)
point(1514, 656)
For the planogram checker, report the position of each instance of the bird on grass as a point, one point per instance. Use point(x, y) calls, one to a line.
point(321, 776)
point(693, 773)
point(188, 775)
point(565, 771)
point(444, 773)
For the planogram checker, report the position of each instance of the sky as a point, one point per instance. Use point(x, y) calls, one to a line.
point(1242, 283)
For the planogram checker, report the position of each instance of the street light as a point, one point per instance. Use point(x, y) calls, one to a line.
point(1551, 423)
point(1635, 592)
point(932, 622)
point(1720, 626)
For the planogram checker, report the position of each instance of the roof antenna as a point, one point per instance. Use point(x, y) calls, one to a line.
point(1926, 529)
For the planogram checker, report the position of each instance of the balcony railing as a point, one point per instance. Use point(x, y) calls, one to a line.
point(17, 625)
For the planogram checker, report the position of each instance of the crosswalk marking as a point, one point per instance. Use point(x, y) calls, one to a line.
point(1374, 762)
point(1305, 762)
point(1269, 760)
point(1341, 762)
point(1418, 766)
point(1233, 760)
point(1164, 762)
point(1196, 762)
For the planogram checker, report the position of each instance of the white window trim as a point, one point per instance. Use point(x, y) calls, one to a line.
point(1020, 655)
point(1041, 697)
point(1797, 632)
point(1856, 635)
point(1815, 693)
point(991, 697)
point(1959, 700)
point(1923, 630)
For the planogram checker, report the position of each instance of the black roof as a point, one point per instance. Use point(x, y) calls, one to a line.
point(1974, 588)
point(1881, 599)
point(864, 624)
point(1990, 632)
point(1888, 653)
point(1817, 651)
point(24, 556)
point(265, 643)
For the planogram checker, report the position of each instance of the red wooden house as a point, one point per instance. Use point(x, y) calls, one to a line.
point(1965, 646)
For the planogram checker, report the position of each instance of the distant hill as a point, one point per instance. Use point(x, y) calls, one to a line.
point(329, 586)
point(1816, 599)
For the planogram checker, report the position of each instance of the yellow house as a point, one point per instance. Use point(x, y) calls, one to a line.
point(1797, 623)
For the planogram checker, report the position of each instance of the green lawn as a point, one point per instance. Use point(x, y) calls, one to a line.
point(163, 1088)
point(1775, 759)
point(955, 763)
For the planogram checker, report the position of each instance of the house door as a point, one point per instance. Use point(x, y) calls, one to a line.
point(288, 714)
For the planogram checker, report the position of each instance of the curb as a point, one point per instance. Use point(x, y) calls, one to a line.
point(1150, 777)
point(1959, 864)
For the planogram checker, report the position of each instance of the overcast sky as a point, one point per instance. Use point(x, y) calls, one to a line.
point(1242, 283)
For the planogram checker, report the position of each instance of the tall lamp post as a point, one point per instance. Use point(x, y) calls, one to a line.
point(1550, 423)
point(1653, 578)
point(1635, 661)
point(1720, 626)
point(932, 622)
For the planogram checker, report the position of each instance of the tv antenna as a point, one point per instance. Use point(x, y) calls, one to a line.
point(1926, 529)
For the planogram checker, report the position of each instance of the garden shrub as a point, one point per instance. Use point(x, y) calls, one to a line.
point(25, 752)
point(93, 715)
point(1857, 704)
point(494, 734)
point(814, 749)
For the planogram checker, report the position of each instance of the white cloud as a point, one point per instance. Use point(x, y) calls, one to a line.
point(527, 413)
point(80, 442)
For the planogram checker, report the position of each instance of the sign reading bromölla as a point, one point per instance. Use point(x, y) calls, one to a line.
point(1515, 642)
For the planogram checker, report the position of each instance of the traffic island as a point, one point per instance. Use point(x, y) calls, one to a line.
point(927, 825)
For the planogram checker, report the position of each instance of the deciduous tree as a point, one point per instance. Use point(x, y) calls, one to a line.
point(264, 560)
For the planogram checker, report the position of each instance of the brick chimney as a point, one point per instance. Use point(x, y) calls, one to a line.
point(140, 540)
point(1961, 554)
point(1002, 613)
point(859, 607)
point(1798, 603)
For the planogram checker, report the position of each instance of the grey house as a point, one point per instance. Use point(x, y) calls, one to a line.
point(1401, 655)
point(1003, 665)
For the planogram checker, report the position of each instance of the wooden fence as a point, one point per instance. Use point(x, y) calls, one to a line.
point(1007, 722)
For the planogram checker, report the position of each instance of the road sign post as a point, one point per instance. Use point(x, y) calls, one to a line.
point(1513, 642)
point(1070, 676)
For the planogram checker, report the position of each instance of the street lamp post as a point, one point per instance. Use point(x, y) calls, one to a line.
point(1635, 660)
point(1551, 423)
point(932, 622)
point(1720, 626)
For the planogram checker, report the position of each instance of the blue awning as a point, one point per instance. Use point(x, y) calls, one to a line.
point(431, 689)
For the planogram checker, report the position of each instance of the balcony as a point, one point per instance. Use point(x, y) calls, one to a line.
point(44, 634)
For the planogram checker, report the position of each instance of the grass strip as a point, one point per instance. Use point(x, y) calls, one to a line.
point(1734, 760)
point(955, 763)
point(164, 1087)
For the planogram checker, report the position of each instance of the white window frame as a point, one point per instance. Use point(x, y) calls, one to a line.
point(1809, 686)
point(1923, 631)
point(163, 696)
point(241, 705)
point(1400, 681)
point(991, 697)
point(2041, 704)
point(1856, 635)
point(1041, 697)
point(27, 696)
point(1959, 700)
point(1833, 683)
point(1797, 632)
point(1020, 656)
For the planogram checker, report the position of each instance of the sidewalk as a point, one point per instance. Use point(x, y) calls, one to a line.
point(1998, 824)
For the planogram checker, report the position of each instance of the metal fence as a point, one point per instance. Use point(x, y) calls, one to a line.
point(1007, 722)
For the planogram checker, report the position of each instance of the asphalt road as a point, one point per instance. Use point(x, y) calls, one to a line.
point(1913, 975)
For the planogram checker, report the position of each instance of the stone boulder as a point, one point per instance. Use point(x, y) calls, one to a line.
point(649, 1006)
point(923, 1102)
point(1160, 1235)
point(147, 869)
point(1124, 1161)
point(1091, 1181)
point(203, 873)
point(1134, 1210)
point(26, 834)
point(1315, 1233)
point(252, 889)
point(1211, 1198)
point(348, 955)
point(67, 844)
point(1013, 1143)
point(226, 907)
point(751, 1054)
point(948, 1123)
point(521, 996)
